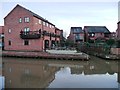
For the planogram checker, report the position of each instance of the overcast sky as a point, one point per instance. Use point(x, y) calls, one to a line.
point(69, 13)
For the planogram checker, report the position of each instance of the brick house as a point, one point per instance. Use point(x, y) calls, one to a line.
point(76, 34)
point(27, 75)
point(1, 36)
point(118, 30)
point(96, 32)
point(59, 35)
point(27, 31)
point(116, 50)
point(113, 35)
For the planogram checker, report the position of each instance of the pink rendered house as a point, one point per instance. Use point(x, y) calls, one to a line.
point(27, 31)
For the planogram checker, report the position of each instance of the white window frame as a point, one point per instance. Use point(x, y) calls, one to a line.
point(39, 21)
point(50, 26)
point(27, 19)
point(9, 30)
point(43, 23)
point(26, 29)
point(46, 24)
point(20, 20)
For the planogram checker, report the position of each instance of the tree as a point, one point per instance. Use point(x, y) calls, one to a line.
point(69, 43)
point(110, 42)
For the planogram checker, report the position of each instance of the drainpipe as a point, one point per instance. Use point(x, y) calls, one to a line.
point(43, 47)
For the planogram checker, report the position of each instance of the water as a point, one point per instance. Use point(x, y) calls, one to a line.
point(37, 73)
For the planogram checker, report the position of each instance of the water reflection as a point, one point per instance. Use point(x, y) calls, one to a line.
point(119, 75)
point(36, 73)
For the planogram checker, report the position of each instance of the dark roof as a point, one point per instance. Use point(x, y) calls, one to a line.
point(76, 29)
point(96, 29)
point(118, 22)
point(34, 14)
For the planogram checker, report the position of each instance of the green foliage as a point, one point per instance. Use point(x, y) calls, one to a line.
point(118, 43)
point(69, 43)
point(110, 42)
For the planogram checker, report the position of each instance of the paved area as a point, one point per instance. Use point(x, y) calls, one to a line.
point(64, 52)
point(53, 54)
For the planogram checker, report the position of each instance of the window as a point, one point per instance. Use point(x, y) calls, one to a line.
point(27, 19)
point(26, 42)
point(92, 34)
point(77, 36)
point(44, 23)
point(27, 71)
point(20, 20)
point(10, 69)
point(50, 26)
point(26, 30)
point(47, 24)
point(9, 43)
point(40, 21)
point(9, 30)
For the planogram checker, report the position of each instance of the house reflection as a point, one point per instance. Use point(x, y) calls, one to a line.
point(27, 74)
point(119, 75)
point(35, 73)
point(0, 70)
point(97, 67)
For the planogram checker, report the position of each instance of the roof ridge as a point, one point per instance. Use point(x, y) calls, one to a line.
point(34, 14)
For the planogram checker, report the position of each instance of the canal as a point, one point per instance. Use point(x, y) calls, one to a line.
point(39, 73)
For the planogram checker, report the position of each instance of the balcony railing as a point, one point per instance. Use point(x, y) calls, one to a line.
point(37, 34)
point(45, 33)
point(30, 34)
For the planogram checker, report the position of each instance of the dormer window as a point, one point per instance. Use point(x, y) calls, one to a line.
point(92, 34)
point(40, 21)
point(44, 23)
point(50, 26)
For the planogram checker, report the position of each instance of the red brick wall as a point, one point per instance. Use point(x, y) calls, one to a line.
point(58, 32)
point(115, 51)
point(118, 31)
point(12, 22)
point(0, 29)
point(72, 36)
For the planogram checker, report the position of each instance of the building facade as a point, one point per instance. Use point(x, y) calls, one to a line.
point(27, 31)
point(96, 33)
point(113, 35)
point(29, 74)
point(76, 34)
point(118, 30)
point(1, 36)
